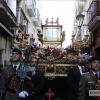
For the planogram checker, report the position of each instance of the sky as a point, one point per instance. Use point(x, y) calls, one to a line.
point(62, 9)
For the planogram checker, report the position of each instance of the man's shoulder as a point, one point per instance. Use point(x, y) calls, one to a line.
point(87, 67)
point(39, 71)
point(87, 74)
point(73, 67)
point(7, 67)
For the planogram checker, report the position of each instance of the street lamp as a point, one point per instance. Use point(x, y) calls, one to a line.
point(73, 38)
point(79, 43)
point(80, 18)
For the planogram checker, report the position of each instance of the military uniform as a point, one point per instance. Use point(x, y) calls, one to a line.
point(10, 84)
point(88, 82)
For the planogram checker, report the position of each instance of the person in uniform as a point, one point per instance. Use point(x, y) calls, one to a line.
point(74, 76)
point(90, 80)
point(12, 86)
point(38, 79)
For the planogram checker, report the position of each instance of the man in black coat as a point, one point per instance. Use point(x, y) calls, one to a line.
point(38, 80)
point(74, 76)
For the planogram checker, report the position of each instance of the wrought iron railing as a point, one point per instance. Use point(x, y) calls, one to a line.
point(93, 11)
point(38, 16)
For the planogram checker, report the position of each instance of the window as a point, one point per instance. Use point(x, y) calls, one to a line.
point(52, 34)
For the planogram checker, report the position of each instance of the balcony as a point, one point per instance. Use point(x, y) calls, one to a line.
point(21, 17)
point(93, 15)
point(36, 19)
point(31, 10)
point(7, 17)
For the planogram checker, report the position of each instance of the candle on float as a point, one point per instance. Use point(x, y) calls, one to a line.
point(78, 23)
point(37, 44)
point(20, 35)
point(32, 35)
point(73, 33)
point(24, 22)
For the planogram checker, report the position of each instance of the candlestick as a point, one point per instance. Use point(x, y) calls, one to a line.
point(78, 23)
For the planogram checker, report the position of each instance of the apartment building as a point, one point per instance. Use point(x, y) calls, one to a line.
point(89, 9)
point(34, 17)
point(17, 16)
point(8, 21)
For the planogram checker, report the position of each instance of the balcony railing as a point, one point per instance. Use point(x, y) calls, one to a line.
point(31, 5)
point(21, 17)
point(31, 10)
point(37, 12)
point(93, 11)
point(37, 19)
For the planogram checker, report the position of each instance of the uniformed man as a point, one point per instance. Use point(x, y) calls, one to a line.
point(12, 87)
point(90, 80)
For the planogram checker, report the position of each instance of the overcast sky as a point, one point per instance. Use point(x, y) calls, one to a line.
point(64, 11)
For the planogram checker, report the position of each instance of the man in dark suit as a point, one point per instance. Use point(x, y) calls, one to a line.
point(11, 86)
point(38, 80)
point(74, 76)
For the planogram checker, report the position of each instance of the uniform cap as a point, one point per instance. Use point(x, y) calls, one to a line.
point(17, 50)
point(94, 58)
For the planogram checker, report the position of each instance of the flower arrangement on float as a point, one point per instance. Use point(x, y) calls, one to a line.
point(71, 50)
point(54, 52)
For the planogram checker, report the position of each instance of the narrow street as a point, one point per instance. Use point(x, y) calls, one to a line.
point(56, 32)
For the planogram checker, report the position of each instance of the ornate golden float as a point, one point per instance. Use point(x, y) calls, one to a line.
point(53, 59)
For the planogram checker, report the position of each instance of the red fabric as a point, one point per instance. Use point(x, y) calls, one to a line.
point(15, 83)
point(99, 96)
point(99, 89)
point(12, 84)
point(49, 94)
point(49, 98)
